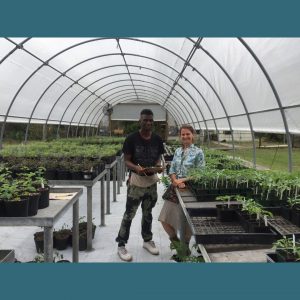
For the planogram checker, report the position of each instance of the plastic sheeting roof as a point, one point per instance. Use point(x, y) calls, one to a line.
point(249, 84)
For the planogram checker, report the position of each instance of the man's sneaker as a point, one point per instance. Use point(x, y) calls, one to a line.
point(150, 246)
point(124, 254)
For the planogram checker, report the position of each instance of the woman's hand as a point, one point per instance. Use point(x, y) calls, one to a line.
point(180, 183)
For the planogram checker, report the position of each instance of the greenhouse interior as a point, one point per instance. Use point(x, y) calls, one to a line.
point(69, 108)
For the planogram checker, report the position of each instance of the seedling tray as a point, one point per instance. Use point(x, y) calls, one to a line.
point(209, 230)
point(283, 226)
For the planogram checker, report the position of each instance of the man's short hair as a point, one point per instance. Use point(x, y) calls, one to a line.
point(147, 112)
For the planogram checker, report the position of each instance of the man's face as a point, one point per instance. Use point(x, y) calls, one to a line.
point(146, 122)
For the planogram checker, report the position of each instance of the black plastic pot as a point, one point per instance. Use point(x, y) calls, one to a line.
point(44, 198)
point(2, 208)
point(76, 175)
point(61, 238)
point(225, 214)
point(82, 242)
point(295, 219)
point(16, 208)
point(61, 243)
point(283, 256)
point(83, 228)
point(286, 212)
point(63, 175)
point(50, 174)
point(33, 204)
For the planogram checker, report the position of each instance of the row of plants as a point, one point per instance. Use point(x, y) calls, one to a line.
point(23, 195)
point(58, 168)
point(267, 187)
point(69, 159)
point(61, 148)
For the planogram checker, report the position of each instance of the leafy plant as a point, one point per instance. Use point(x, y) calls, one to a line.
point(183, 253)
point(224, 199)
point(290, 249)
point(165, 181)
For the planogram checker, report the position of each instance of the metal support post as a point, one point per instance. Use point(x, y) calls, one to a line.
point(107, 167)
point(48, 244)
point(75, 232)
point(114, 183)
point(89, 218)
point(102, 202)
point(118, 174)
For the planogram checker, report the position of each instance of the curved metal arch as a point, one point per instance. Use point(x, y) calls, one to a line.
point(101, 115)
point(17, 46)
point(149, 94)
point(202, 76)
point(72, 67)
point(148, 99)
point(94, 92)
point(44, 63)
point(151, 90)
point(136, 80)
point(151, 83)
point(147, 42)
point(126, 89)
point(145, 95)
point(148, 76)
point(286, 127)
point(239, 95)
point(129, 95)
point(109, 38)
point(49, 86)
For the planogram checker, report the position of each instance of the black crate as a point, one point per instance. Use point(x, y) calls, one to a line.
point(209, 230)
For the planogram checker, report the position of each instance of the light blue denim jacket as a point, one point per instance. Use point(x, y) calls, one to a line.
point(183, 161)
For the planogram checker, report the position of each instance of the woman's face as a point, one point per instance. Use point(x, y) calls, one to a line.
point(186, 137)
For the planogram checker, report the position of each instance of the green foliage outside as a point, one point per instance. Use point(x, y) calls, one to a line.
point(274, 158)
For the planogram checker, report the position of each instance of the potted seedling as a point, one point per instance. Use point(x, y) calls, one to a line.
point(83, 226)
point(225, 211)
point(61, 237)
point(14, 206)
point(295, 210)
point(183, 253)
point(27, 190)
point(287, 249)
point(257, 217)
point(83, 233)
point(43, 187)
point(286, 210)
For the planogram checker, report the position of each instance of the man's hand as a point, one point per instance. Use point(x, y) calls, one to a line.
point(139, 170)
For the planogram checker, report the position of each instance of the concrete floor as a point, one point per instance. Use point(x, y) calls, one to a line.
point(105, 248)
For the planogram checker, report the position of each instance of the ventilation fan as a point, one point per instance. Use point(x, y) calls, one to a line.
point(107, 109)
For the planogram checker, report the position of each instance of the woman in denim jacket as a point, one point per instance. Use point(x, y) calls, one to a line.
point(185, 158)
